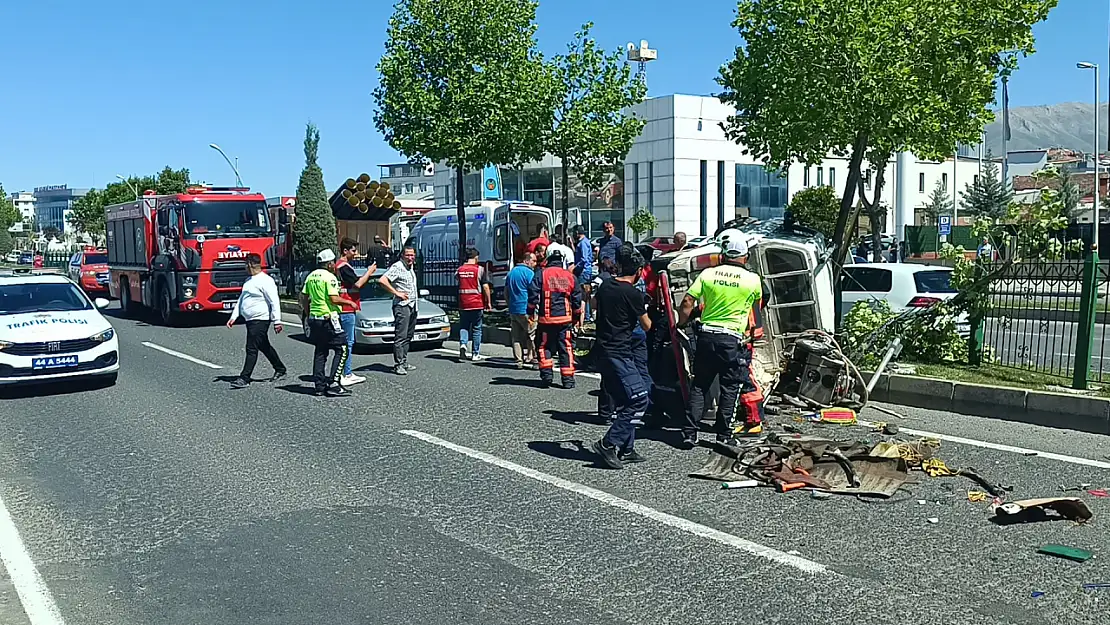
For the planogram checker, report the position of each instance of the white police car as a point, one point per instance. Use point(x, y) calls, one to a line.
point(51, 330)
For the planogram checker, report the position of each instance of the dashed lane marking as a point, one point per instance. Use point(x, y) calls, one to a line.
point(38, 603)
point(166, 350)
point(679, 523)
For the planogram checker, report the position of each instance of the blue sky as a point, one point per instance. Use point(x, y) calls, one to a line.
point(96, 88)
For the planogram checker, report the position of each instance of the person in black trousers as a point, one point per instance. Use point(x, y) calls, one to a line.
point(259, 307)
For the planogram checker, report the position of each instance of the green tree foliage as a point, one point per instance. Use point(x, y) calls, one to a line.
point(1070, 194)
point(987, 196)
point(9, 214)
point(869, 78)
point(88, 211)
point(462, 82)
point(816, 208)
point(314, 226)
point(939, 203)
point(6, 243)
point(51, 232)
point(641, 222)
point(593, 131)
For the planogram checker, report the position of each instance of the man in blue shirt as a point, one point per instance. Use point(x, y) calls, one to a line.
point(584, 266)
point(516, 292)
point(609, 245)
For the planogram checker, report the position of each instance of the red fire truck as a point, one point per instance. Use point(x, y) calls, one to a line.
point(185, 252)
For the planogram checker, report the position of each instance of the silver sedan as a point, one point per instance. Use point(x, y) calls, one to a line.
point(374, 325)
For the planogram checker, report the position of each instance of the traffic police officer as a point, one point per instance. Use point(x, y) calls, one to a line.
point(730, 293)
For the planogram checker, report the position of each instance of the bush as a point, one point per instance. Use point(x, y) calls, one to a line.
point(928, 337)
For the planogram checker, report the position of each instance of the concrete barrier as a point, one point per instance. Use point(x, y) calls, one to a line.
point(1072, 412)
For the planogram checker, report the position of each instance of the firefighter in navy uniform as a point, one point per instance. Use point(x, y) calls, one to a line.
point(731, 295)
point(555, 304)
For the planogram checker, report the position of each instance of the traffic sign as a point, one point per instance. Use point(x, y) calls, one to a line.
point(945, 225)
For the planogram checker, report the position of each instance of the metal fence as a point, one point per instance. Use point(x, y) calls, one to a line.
point(1035, 318)
point(435, 271)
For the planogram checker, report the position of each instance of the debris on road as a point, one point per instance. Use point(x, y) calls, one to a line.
point(1096, 586)
point(933, 520)
point(1098, 492)
point(739, 484)
point(1070, 508)
point(839, 416)
point(889, 412)
point(976, 496)
point(890, 429)
point(1037, 594)
point(1068, 553)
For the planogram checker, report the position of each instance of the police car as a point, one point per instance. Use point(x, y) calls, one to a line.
point(50, 330)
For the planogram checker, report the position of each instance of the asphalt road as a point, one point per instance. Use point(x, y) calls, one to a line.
point(1047, 346)
point(460, 494)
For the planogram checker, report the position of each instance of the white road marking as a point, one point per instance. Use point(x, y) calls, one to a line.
point(587, 374)
point(37, 601)
point(999, 447)
point(697, 529)
point(166, 350)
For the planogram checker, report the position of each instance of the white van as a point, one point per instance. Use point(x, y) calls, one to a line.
point(499, 230)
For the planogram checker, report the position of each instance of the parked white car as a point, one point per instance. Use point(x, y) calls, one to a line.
point(901, 285)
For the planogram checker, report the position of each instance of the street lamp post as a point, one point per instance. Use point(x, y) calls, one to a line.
point(133, 188)
point(1094, 238)
point(234, 166)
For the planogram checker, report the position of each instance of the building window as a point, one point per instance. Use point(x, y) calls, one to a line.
point(921, 183)
point(720, 193)
point(423, 187)
point(539, 186)
point(510, 185)
point(805, 177)
point(820, 176)
point(651, 187)
point(703, 203)
point(867, 179)
point(635, 186)
point(762, 193)
point(944, 179)
point(408, 187)
point(832, 177)
point(975, 179)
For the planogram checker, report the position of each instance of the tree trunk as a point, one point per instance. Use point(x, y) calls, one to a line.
point(840, 245)
point(875, 206)
point(566, 200)
point(460, 212)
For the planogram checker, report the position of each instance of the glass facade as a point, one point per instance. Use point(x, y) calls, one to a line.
point(763, 193)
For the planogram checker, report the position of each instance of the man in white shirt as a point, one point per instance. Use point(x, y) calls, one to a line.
point(400, 282)
point(566, 252)
point(258, 306)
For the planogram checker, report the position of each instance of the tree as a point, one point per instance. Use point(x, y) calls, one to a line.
point(51, 232)
point(1070, 194)
point(6, 243)
point(987, 196)
point(869, 78)
point(642, 222)
point(314, 228)
point(462, 82)
point(939, 203)
point(88, 213)
point(816, 208)
point(593, 130)
point(9, 214)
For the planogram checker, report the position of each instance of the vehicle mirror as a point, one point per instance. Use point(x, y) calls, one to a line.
point(424, 293)
point(101, 303)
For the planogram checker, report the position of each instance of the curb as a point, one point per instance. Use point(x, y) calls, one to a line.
point(1056, 410)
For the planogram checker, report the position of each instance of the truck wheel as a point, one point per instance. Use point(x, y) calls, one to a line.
point(166, 313)
point(126, 304)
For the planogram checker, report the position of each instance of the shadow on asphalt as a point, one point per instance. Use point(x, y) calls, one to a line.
point(192, 320)
point(376, 367)
point(563, 450)
point(52, 389)
point(298, 389)
point(576, 418)
point(532, 383)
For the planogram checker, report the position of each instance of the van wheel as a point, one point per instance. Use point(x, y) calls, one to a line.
point(166, 313)
point(126, 304)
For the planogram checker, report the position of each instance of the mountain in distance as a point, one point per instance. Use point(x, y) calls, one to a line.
point(1065, 125)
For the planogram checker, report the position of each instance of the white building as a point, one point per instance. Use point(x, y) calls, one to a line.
point(685, 171)
point(24, 203)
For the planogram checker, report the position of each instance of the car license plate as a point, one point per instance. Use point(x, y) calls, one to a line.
point(420, 336)
point(229, 305)
point(54, 362)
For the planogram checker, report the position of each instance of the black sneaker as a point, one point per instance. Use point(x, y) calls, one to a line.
point(337, 391)
point(632, 457)
point(238, 383)
point(278, 377)
point(608, 455)
point(690, 441)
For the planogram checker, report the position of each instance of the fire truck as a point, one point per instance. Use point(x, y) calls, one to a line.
point(185, 252)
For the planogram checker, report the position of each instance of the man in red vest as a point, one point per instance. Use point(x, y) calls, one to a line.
point(474, 299)
point(555, 302)
point(349, 284)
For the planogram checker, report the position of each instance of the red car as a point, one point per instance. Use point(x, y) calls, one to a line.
point(663, 244)
point(89, 269)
